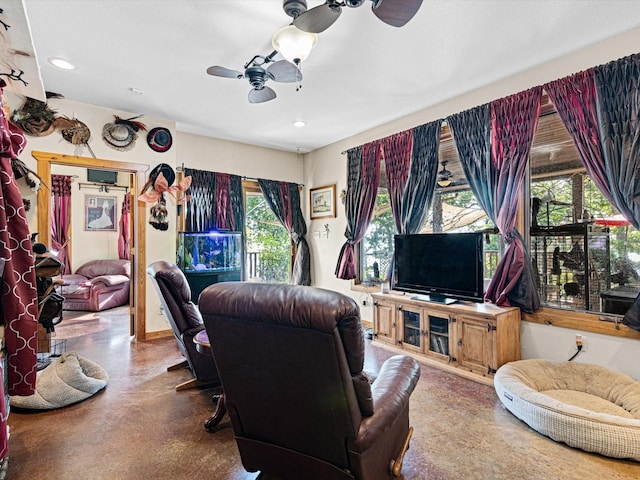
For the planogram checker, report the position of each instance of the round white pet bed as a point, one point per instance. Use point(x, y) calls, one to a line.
point(585, 406)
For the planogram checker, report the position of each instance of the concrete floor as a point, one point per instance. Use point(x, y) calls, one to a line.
point(139, 427)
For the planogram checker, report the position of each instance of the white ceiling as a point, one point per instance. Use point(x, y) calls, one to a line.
point(361, 74)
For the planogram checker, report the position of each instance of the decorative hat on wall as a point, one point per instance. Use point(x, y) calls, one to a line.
point(160, 181)
point(34, 117)
point(74, 131)
point(122, 133)
point(159, 139)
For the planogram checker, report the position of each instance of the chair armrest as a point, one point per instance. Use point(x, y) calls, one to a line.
point(72, 279)
point(391, 391)
point(109, 280)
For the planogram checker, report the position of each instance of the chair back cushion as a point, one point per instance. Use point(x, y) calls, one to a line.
point(95, 268)
point(175, 296)
point(288, 357)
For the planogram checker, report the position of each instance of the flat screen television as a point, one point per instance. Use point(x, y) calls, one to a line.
point(102, 176)
point(441, 267)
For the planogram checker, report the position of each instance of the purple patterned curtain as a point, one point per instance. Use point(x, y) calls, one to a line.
point(575, 100)
point(493, 142)
point(224, 216)
point(61, 218)
point(19, 306)
point(284, 200)
point(363, 177)
point(216, 202)
point(124, 241)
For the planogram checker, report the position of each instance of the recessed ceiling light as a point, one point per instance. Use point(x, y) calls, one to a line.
point(299, 123)
point(62, 63)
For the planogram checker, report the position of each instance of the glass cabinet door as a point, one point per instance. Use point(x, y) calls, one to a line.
point(412, 331)
point(439, 335)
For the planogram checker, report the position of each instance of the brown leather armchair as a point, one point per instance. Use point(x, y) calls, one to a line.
point(290, 360)
point(185, 320)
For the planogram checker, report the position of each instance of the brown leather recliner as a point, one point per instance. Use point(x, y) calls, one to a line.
point(290, 359)
point(185, 320)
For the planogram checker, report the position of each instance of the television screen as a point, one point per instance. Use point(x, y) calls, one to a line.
point(445, 266)
point(102, 176)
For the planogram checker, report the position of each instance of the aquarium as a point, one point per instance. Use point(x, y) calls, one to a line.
point(209, 251)
point(209, 257)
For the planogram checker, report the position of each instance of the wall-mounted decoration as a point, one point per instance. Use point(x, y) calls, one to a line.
point(159, 139)
point(100, 213)
point(74, 131)
point(323, 202)
point(122, 133)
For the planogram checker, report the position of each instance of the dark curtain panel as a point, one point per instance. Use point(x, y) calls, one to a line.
point(284, 200)
point(124, 241)
point(397, 161)
point(363, 177)
point(618, 93)
point(19, 306)
point(216, 202)
point(493, 142)
point(61, 218)
point(236, 198)
point(421, 183)
point(200, 210)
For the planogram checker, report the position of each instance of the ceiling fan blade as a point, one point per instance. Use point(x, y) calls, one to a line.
point(285, 72)
point(396, 12)
point(261, 95)
point(224, 72)
point(319, 18)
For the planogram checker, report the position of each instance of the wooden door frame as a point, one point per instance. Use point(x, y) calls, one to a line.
point(137, 304)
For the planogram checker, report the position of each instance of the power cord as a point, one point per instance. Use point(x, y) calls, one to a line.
point(578, 346)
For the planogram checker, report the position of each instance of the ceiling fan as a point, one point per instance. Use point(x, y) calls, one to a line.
point(257, 74)
point(317, 19)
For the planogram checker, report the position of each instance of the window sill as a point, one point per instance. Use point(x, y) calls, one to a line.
point(365, 288)
point(589, 322)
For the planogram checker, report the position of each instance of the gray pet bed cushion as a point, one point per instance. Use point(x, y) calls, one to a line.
point(68, 380)
point(585, 406)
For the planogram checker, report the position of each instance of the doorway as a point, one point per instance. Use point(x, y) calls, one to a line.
point(138, 261)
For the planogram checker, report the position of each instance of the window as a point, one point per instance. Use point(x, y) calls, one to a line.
point(269, 246)
point(453, 209)
point(376, 248)
point(585, 256)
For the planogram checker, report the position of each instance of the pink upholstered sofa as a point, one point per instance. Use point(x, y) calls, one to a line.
point(97, 285)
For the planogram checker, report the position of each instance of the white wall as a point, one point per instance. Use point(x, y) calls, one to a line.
point(327, 165)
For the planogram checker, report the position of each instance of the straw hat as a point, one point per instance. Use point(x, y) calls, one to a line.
point(122, 133)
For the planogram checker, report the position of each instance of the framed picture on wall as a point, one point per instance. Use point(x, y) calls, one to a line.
point(100, 213)
point(323, 202)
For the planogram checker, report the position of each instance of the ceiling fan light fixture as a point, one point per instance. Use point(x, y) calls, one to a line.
point(444, 176)
point(294, 44)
